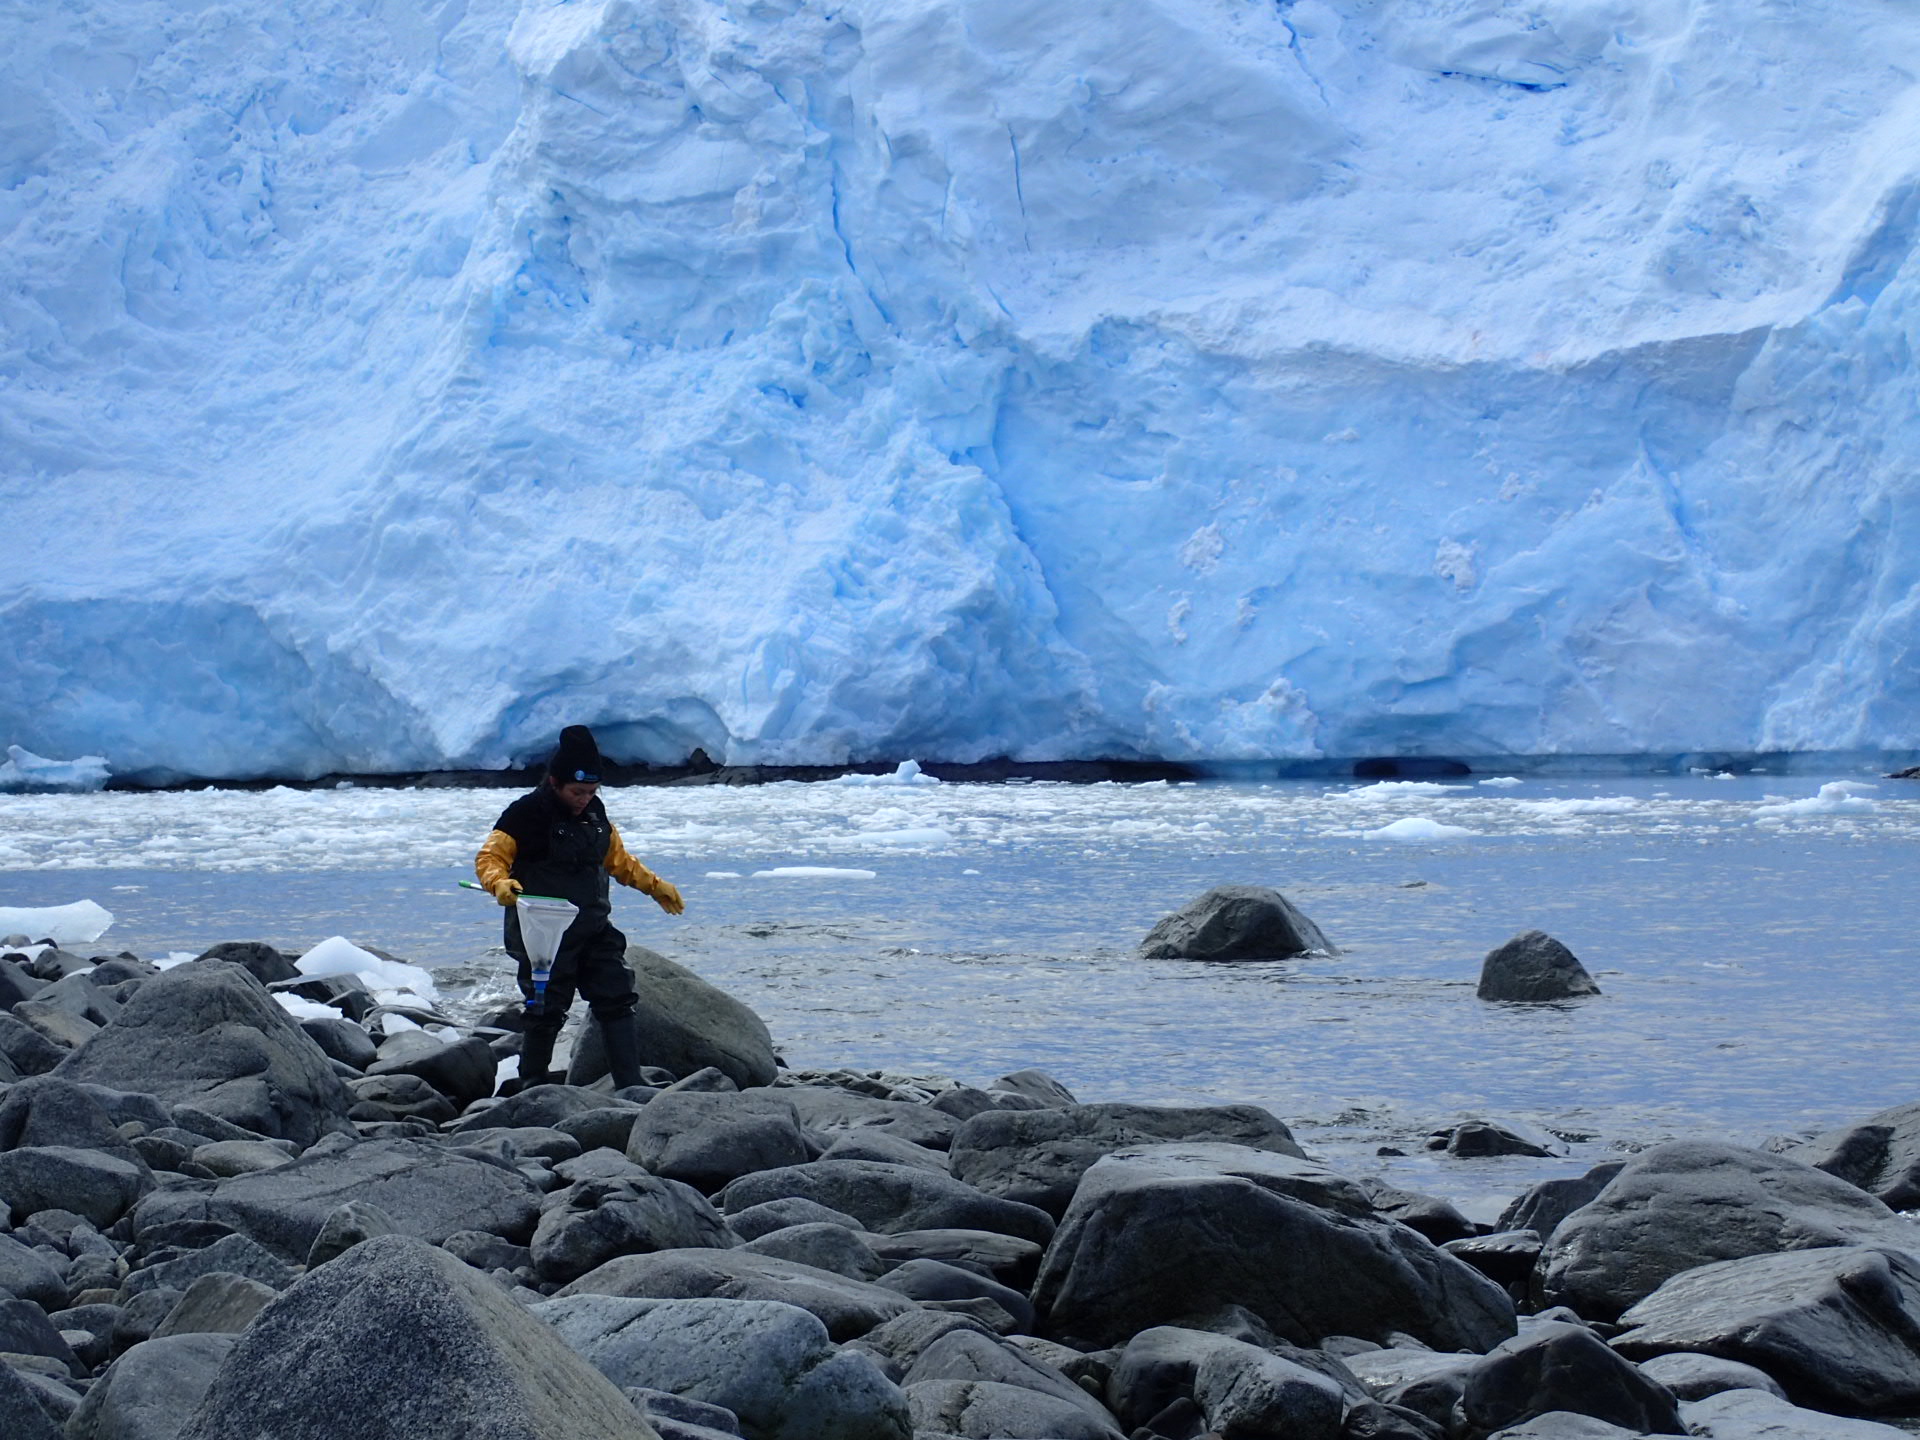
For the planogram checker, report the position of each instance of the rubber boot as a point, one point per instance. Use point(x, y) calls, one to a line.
point(536, 1057)
point(621, 1037)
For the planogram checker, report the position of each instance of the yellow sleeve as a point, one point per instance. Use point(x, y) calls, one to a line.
point(624, 868)
point(497, 854)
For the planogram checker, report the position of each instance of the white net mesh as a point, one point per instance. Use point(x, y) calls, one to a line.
point(542, 922)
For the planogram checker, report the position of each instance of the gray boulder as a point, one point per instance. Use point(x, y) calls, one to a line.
point(1566, 1425)
point(686, 1025)
point(770, 1364)
point(49, 1111)
point(1695, 1377)
point(226, 1158)
point(709, 1138)
point(91, 1183)
point(208, 1035)
point(1165, 1232)
point(982, 1409)
point(886, 1198)
point(266, 964)
point(230, 1254)
point(1835, 1326)
point(148, 1393)
point(429, 1193)
point(347, 1226)
point(831, 1111)
point(396, 1340)
point(889, 1149)
point(219, 1303)
point(542, 1106)
point(824, 1245)
point(1038, 1156)
point(22, 1417)
point(1542, 1208)
point(1557, 1366)
point(1235, 922)
point(1534, 968)
point(1757, 1415)
point(1007, 1258)
point(934, 1280)
point(771, 1215)
point(1236, 1388)
point(342, 1040)
point(25, 1274)
point(398, 1097)
point(592, 1221)
point(462, 1071)
point(25, 1048)
point(848, 1308)
point(965, 1354)
point(1880, 1154)
point(25, 1330)
point(1690, 1202)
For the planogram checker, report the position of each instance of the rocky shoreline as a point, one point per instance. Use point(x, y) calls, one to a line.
point(225, 1222)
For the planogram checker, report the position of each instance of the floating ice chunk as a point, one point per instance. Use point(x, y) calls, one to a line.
point(302, 1008)
point(1502, 781)
point(1836, 797)
point(722, 875)
point(1416, 829)
point(338, 955)
point(814, 872)
point(179, 957)
point(907, 774)
point(77, 924)
point(924, 835)
point(1600, 805)
point(1399, 790)
point(23, 770)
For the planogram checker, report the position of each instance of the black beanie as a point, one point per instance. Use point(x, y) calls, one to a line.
point(576, 758)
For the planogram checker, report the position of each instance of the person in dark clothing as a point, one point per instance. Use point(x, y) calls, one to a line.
point(557, 840)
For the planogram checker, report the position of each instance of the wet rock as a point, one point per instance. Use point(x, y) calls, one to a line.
point(1506, 1258)
point(218, 1303)
point(266, 964)
point(1533, 968)
point(1237, 1388)
point(591, 1222)
point(398, 1097)
point(1695, 1377)
point(686, 1025)
point(429, 1192)
point(208, 1035)
point(846, 1307)
point(463, 1071)
point(1880, 1154)
point(396, 1339)
point(342, 1040)
point(544, 1106)
point(1235, 922)
point(1757, 1415)
point(823, 1245)
point(1834, 1326)
point(831, 1112)
point(1034, 1085)
point(1565, 1367)
point(770, 1364)
point(1690, 1202)
point(1159, 1233)
point(708, 1139)
point(1038, 1156)
point(1479, 1139)
point(1542, 1208)
point(1433, 1217)
point(886, 1198)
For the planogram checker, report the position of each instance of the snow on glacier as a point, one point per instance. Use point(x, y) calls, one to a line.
point(383, 386)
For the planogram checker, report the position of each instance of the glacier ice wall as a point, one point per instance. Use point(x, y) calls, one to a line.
point(383, 385)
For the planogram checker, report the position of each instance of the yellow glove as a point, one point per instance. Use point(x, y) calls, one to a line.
point(507, 891)
point(666, 896)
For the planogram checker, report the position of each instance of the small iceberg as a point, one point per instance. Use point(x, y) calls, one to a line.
point(1837, 797)
point(80, 923)
point(391, 981)
point(1418, 829)
point(24, 772)
point(908, 773)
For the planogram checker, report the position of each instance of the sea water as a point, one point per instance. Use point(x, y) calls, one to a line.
point(1753, 936)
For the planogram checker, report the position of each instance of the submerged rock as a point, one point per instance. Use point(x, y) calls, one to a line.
point(1235, 922)
point(1533, 968)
